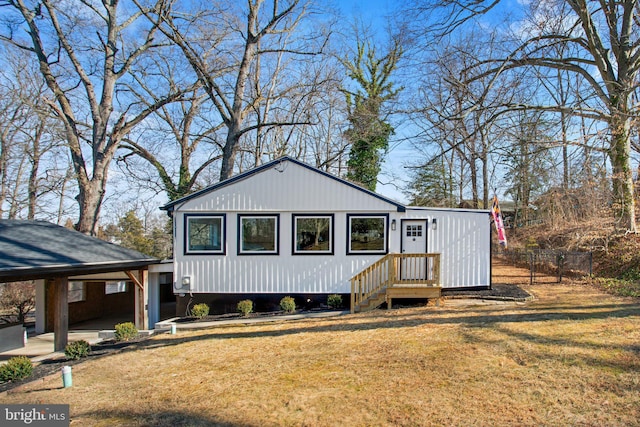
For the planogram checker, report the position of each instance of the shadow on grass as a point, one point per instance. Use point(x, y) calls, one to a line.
point(157, 419)
point(389, 320)
point(471, 318)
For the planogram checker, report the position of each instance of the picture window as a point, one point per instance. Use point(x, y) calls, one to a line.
point(367, 234)
point(313, 234)
point(205, 234)
point(258, 234)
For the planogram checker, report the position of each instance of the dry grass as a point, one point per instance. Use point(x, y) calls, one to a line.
point(571, 357)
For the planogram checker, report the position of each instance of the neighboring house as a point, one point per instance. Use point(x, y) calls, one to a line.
point(286, 228)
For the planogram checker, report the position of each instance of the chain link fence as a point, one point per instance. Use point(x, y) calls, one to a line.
point(549, 262)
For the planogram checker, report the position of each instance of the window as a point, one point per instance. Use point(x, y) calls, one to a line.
point(258, 234)
point(313, 234)
point(414, 231)
point(367, 234)
point(76, 292)
point(115, 287)
point(205, 234)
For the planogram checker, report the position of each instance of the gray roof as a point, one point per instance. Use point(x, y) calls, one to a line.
point(38, 249)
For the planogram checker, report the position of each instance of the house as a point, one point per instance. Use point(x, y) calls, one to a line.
point(287, 228)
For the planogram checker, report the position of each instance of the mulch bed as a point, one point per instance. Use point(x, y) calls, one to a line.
point(232, 316)
point(497, 291)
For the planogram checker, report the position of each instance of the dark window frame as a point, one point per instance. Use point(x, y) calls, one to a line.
point(276, 251)
point(294, 237)
point(385, 250)
point(223, 237)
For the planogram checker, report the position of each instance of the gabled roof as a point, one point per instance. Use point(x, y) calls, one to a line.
point(272, 164)
point(39, 249)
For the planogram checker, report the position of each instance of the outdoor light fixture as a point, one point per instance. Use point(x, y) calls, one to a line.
point(393, 224)
point(434, 224)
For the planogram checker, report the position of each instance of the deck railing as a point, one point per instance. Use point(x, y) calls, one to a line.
point(395, 270)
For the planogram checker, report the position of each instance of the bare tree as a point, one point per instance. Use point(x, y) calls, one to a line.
point(29, 141)
point(18, 299)
point(238, 84)
point(459, 119)
point(85, 52)
point(527, 159)
point(604, 37)
point(184, 125)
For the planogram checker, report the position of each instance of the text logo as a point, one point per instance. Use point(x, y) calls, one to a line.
point(34, 415)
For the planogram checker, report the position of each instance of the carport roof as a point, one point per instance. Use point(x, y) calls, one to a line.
point(39, 250)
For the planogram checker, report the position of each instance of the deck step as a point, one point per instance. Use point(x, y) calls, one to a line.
point(398, 291)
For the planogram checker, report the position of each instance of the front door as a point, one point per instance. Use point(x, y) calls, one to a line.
point(414, 241)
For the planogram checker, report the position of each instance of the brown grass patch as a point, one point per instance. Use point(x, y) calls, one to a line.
point(571, 357)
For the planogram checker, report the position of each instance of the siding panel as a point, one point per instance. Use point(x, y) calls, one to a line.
point(462, 237)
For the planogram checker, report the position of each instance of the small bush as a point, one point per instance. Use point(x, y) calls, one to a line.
point(334, 301)
point(200, 310)
point(288, 304)
point(16, 368)
point(126, 331)
point(77, 350)
point(245, 307)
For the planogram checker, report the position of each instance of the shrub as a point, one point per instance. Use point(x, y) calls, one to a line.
point(126, 331)
point(245, 307)
point(334, 301)
point(200, 310)
point(16, 368)
point(288, 304)
point(77, 350)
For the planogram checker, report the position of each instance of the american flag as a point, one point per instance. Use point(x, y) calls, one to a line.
point(497, 220)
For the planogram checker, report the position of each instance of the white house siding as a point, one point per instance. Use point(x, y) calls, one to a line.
point(285, 189)
point(463, 238)
point(296, 187)
point(283, 273)
point(290, 188)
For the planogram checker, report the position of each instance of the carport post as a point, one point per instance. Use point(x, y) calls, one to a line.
point(61, 313)
point(141, 298)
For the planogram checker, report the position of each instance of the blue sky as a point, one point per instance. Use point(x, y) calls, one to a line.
point(375, 13)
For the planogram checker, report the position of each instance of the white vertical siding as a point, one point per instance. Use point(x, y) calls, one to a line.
point(294, 188)
point(283, 273)
point(462, 237)
point(463, 240)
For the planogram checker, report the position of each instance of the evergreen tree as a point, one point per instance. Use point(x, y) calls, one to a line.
point(369, 132)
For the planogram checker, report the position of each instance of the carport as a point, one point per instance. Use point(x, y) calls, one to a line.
point(52, 255)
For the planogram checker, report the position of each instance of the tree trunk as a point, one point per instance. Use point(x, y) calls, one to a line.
point(229, 151)
point(33, 175)
point(90, 197)
point(620, 154)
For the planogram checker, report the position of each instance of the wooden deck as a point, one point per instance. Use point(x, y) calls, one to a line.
point(396, 276)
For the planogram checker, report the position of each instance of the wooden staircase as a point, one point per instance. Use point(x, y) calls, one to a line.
point(396, 276)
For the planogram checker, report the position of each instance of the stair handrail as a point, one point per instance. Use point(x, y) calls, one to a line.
point(385, 272)
point(372, 279)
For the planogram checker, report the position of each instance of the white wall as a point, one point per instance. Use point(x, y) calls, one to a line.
point(283, 273)
point(462, 237)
